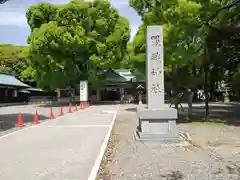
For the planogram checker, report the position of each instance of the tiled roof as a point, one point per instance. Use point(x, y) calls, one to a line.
point(125, 73)
point(34, 89)
point(24, 91)
point(9, 80)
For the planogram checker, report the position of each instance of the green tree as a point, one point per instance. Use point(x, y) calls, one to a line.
point(28, 74)
point(179, 19)
point(224, 38)
point(190, 42)
point(182, 43)
point(13, 61)
point(70, 42)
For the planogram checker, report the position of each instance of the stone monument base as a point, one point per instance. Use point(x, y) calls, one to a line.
point(158, 125)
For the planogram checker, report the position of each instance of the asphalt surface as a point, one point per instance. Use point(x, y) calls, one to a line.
point(64, 148)
point(10, 113)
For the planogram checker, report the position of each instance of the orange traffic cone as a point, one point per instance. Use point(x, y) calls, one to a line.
point(61, 111)
point(81, 105)
point(51, 114)
point(87, 104)
point(70, 108)
point(84, 105)
point(76, 107)
point(20, 121)
point(35, 118)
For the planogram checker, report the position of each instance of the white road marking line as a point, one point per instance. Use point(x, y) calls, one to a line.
point(98, 161)
point(27, 127)
point(109, 112)
point(32, 126)
point(14, 132)
point(73, 126)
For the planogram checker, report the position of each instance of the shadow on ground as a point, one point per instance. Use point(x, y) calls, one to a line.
point(106, 103)
point(131, 109)
point(64, 104)
point(9, 121)
point(56, 105)
point(223, 113)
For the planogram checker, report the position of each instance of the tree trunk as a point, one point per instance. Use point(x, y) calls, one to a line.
point(176, 107)
point(190, 99)
point(212, 86)
point(176, 102)
point(206, 71)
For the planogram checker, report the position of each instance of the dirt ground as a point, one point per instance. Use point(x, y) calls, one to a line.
point(213, 153)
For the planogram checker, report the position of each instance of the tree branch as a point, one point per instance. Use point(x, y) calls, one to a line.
point(228, 6)
point(3, 1)
point(199, 49)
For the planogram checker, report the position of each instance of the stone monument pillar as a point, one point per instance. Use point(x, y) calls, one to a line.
point(157, 121)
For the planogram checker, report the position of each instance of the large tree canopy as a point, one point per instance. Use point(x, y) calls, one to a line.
point(189, 26)
point(182, 36)
point(13, 62)
point(201, 41)
point(67, 40)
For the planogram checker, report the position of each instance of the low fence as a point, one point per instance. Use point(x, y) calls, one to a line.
point(69, 99)
point(42, 99)
point(12, 104)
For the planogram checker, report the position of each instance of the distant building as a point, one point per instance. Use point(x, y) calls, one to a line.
point(119, 84)
point(9, 88)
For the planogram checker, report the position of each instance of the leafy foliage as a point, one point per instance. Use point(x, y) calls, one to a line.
point(13, 62)
point(182, 38)
point(201, 42)
point(189, 26)
point(70, 40)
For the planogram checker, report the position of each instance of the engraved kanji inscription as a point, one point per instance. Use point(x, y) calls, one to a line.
point(82, 86)
point(156, 89)
point(155, 56)
point(156, 71)
point(156, 41)
point(155, 67)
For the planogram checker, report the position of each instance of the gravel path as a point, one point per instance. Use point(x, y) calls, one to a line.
point(213, 155)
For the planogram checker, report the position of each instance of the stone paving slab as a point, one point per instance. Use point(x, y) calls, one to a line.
point(29, 110)
point(83, 118)
point(9, 115)
point(65, 148)
point(102, 109)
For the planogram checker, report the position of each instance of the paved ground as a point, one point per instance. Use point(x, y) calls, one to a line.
point(65, 148)
point(214, 153)
point(9, 115)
